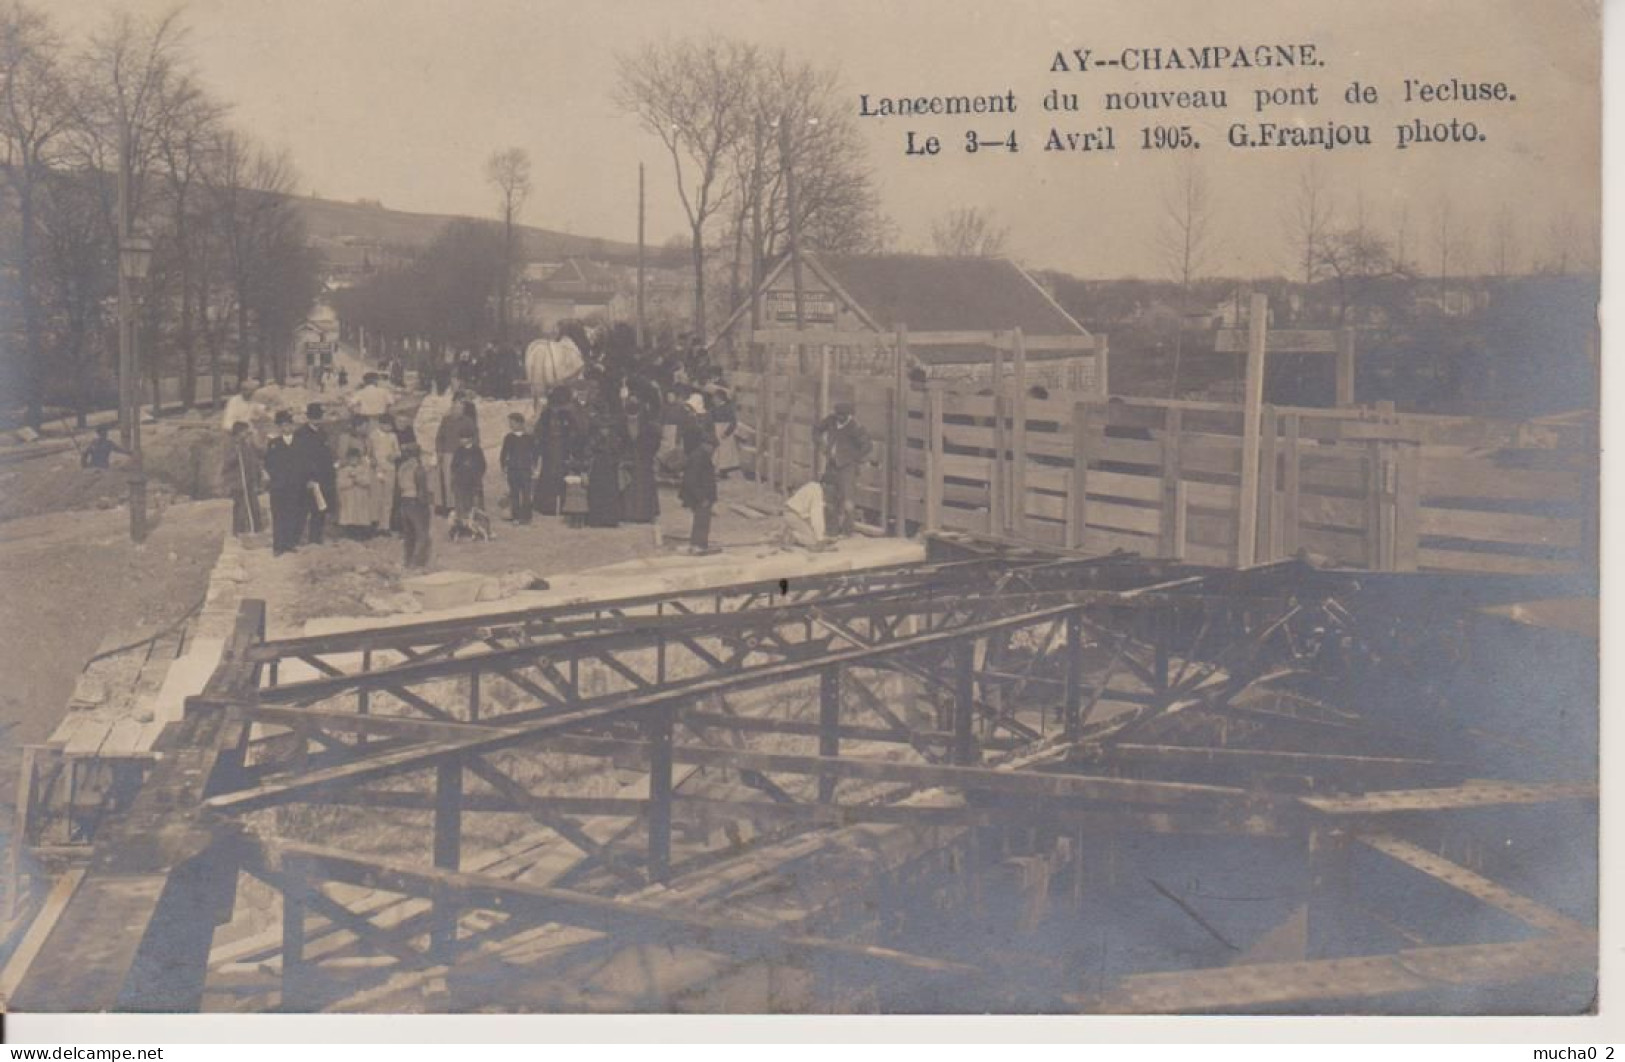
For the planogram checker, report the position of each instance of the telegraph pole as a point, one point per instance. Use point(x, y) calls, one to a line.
point(640, 256)
point(133, 258)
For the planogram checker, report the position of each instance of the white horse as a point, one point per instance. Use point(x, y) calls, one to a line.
point(551, 362)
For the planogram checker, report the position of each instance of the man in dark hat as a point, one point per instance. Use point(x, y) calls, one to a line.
point(846, 444)
point(288, 486)
point(321, 473)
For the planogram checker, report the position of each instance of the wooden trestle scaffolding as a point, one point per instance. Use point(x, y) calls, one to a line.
point(860, 726)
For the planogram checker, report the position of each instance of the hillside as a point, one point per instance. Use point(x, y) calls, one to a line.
point(346, 230)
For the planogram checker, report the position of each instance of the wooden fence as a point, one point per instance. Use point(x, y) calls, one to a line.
point(1365, 488)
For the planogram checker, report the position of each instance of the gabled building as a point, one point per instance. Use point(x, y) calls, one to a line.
point(927, 294)
point(574, 290)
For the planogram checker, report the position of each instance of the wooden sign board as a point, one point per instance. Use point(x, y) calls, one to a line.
point(1278, 341)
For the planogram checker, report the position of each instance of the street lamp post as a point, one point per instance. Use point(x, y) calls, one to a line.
point(134, 258)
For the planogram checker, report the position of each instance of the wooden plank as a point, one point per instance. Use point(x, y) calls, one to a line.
point(964, 466)
point(1322, 471)
point(1449, 560)
point(1121, 517)
point(1407, 508)
point(39, 931)
point(1267, 985)
point(1252, 405)
point(1098, 540)
point(1510, 528)
point(1078, 488)
point(1212, 454)
point(973, 520)
point(1126, 485)
point(1267, 474)
point(1336, 546)
point(1210, 530)
point(1451, 476)
point(1018, 442)
point(899, 430)
point(1171, 518)
point(1327, 510)
point(934, 470)
point(1211, 495)
point(1290, 498)
point(1345, 367)
point(1281, 340)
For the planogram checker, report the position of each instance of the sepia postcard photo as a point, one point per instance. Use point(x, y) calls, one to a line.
point(819, 508)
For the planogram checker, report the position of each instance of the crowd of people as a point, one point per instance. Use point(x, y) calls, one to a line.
point(595, 454)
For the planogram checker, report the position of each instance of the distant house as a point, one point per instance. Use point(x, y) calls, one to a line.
point(576, 289)
point(928, 294)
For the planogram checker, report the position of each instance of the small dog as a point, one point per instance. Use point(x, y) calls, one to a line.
point(476, 527)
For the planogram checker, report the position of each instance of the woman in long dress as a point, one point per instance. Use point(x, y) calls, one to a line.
point(725, 421)
point(385, 449)
point(555, 437)
point(604, 473)
point(641, 500)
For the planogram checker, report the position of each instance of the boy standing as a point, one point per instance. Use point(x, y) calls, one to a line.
point(412, 502)
point(467, 475)
point(518, 461)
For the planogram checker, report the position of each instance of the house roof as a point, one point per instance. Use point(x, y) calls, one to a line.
point(579, 278)
point(930, 293)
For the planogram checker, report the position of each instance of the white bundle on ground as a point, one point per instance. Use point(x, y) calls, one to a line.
point(550, 362)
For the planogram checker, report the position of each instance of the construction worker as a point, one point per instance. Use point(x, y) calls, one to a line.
point(846, 445)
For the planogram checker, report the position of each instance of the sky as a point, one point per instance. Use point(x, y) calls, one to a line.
point(402, 101)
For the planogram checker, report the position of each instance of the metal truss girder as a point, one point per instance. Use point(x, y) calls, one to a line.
point(1472, 794)
point(1267, 985)
point(1475, 885)
point(732, 935)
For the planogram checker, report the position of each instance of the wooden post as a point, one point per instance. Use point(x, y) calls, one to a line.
point(1173, 518)
point(933, 455)
point(1407, 551)
point(964, 703)
point(1252, 404)
point(660, 758)
point(784, 438)
point(997, 521)
point(823, 407)
point(473, 696)
point(1078, 487)
point(1018, 473)
point(829, 728)
point(1267, 534)
point(1345, 368)
point(293, 935)
point(1289, 499)
point(448, 842)
point(899, 451)
point(1073, 707)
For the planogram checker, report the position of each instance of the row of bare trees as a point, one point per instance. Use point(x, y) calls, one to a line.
point(749, 132)
point(232, 273)
point(1333, 239)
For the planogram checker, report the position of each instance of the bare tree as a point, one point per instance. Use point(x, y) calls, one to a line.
point(799, 125)
point(509, 173)
point(969, 233)
point(1183, 240)
point(694, 96)
point(182, 144)
point(1355, 259)
point(837, 205)
point(35, 117)
point(248, 190)
point(1310, 220)
point(1504, 243)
